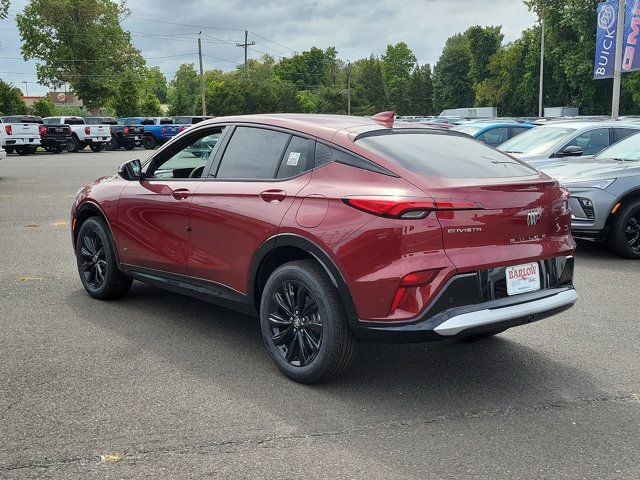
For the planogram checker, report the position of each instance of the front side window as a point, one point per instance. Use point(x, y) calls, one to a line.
point(591, 142)
point(495, 136)
point(627, 149)
point(536, 141)
point(253, 153)
point(188, 161)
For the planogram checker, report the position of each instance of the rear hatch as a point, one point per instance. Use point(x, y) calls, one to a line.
point(99, 131)
point(55, 131)
point(493, 209)
point(133, 131)
point(22, 128)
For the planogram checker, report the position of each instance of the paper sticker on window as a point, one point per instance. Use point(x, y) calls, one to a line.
point(293, 158)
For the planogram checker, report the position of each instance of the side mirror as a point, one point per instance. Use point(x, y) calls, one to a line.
point(131, 170)
point(571, 151)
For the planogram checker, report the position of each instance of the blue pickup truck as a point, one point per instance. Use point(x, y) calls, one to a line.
point(157, 130)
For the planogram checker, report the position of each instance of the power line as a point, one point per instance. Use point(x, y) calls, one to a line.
point(185, 24)
point(274, 42)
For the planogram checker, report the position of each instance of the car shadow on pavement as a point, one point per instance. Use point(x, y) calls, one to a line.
point(393, 381)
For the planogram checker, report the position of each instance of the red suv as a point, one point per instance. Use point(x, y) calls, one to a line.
point(334, 229)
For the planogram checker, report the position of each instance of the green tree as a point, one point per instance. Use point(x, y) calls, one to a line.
point(307, 69)
point(4, 8)
point(184, 91)
point(150, 106)
point(452, 87)
point(482, 44)
point(79, 42)
point(368, 92)
point(126, 100)
point(11, 102)
point(397, 64)
point(43, 107)
point(156, 82)
point(421, 90)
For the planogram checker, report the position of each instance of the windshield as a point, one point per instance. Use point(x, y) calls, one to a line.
point(469, 129)
point(536, 141)
point(446, 156)
point(627, 149)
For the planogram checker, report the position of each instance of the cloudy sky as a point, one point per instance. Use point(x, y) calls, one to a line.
point(166, 30)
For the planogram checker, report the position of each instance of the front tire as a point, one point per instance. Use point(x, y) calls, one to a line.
point(96, 261)
point(303, 323)
point(148, 142)
point(73, 144)
point(624, 237)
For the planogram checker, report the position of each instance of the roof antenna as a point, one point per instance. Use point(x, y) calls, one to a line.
point(385, 118)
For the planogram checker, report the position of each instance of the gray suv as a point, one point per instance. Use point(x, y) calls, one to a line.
point(558, 142)
point(605, 195)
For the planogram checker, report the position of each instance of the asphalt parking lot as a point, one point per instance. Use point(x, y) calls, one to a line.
point(157, 385)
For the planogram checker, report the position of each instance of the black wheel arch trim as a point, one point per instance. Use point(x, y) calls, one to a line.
point(313, 249)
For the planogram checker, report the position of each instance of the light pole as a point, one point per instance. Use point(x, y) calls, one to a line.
point(541, 91)
point(617, 71)
point(26, 89)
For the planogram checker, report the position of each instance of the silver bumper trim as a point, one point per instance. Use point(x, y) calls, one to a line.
point(457, 324)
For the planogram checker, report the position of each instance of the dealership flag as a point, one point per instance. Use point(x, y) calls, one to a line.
point(606, 39)
point(631, 39)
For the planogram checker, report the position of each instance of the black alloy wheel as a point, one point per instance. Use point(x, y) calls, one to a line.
point(624, 236)
point(73, 144)
point(295, 322)
point(148, 142)
point(97, 263)
point(94, 260)
point(304, 324)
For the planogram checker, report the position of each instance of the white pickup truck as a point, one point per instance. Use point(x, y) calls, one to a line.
point(18, 134)
point(96, 136)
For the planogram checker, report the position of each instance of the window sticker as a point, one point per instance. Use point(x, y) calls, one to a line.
point(293, 158)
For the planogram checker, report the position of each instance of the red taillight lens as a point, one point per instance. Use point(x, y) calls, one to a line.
point(125, 130)
point(87, 130)
point(413, 281)
point(7, 128)
point(43, 130)
point(180, 129)
point(406, 208)
point(164, 129)
point(68, 132)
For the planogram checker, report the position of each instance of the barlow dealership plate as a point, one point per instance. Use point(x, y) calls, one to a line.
point(522, 278)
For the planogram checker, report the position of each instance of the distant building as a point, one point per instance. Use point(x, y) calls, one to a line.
point(65, 98)
point(30, 100)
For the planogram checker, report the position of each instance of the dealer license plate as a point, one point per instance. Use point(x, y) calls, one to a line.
point(522, 278)
point(137, 138)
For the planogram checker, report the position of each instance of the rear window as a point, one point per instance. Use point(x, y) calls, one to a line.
point(74, 121)
point(100, 121)
point(17, 119)
point(166, 121)
point(447, 156)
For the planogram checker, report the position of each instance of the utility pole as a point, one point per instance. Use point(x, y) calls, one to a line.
point(204, 109)
point(26, 89)
point(540, 93)
point(617, 72)
point(349, 88)
point(245, 45)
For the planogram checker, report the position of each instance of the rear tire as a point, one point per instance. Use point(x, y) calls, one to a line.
point(73, 144)
point(32, 150)
point(22, 151)
point(112, 144)
point(96, 261)
point(148, 142)
point(9, 149)
point(624, 237)
point(96, 147)
point(304, 325)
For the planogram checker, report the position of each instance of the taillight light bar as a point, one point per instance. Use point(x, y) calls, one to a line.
point(87, 130)
point(43, 130)
point(407, 208)
point(125, 130)
point(7, 128)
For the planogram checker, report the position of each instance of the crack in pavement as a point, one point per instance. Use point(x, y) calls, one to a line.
point(264, 442)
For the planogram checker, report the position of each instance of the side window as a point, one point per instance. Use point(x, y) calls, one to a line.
point(592, 141)
point(518, 130)
point(253, 153)
point(495, 136)
point(620, 133)
point(295, 160)
point(188, 161)
point(323, 154)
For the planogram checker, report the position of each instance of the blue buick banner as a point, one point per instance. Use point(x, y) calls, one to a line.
point(631, 42)
point(606, 39)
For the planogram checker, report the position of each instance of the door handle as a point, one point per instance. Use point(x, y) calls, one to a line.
point(181, 193)
point(272, 196)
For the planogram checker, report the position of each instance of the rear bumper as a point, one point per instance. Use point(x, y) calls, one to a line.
point(475, 319)
point(54, 141)
point(96, 140)
point(478, 302)
point(21, 142)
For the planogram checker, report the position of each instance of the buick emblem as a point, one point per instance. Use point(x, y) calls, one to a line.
point(533, 216)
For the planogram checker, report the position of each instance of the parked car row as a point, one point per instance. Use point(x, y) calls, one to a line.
point(23, 134)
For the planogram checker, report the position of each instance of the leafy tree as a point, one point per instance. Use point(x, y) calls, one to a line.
point(71, 111)
point(482, 44)
point(368, 92)
point(156, 82)
point(43, 107)
point(79, 42)
point(331, 100)
point(126, 100)
point(11, 102)
point(452, 87)
point(307, 69)
point(4, 8)
point(397, 65)
point(150, 106)
point(184, 91)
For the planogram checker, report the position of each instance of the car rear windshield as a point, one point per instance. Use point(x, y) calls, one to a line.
point(74, 121)
point(100, 121)
point(16, 119)
point(536, 141)
point(447, 156)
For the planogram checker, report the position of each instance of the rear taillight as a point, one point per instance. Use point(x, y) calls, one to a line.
point(164, 129)
point(43, 130)
point(125, 130)
point(7, 128)
point(180, 129)
point(68, 132)
point(87, 130)
point(406, 208)
point(416, 283)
